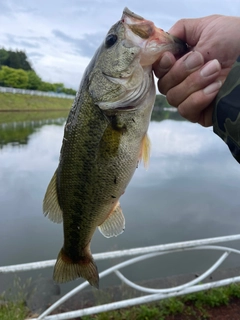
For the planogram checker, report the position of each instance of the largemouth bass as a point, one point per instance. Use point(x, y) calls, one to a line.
point(105, 137)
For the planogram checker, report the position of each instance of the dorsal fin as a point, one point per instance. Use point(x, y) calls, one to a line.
point(51, 208)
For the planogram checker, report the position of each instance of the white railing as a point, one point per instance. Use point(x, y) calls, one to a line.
point(36, 93)
point(151, 294)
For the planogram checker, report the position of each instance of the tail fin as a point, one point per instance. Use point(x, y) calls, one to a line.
point(66, 270)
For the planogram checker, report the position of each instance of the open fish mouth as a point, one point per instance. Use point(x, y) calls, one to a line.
point(151, 39)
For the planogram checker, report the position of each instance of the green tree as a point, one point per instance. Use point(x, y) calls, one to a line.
point(58, 87)
point(16, 60)
point(24, 64)
point(19, 61)
point(69, 91)
point(10, 77)
point(161, 101)
point(34, 81)
point(46, 86)
point(13, 60)
point(3, 56)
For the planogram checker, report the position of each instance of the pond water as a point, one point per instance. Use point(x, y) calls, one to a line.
point(190, 191)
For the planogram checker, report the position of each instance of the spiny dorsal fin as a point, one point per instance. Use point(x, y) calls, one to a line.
point(145, 150)
point(114, 224)
point(51, 208)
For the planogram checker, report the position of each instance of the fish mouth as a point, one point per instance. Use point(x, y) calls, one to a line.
point(131, 14)
point(152, 40)
point(137, 24)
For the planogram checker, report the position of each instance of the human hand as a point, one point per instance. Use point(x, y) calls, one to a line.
point(192, 82)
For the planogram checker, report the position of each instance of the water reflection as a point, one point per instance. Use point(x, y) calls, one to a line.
point(190, 191)
point(15, 128)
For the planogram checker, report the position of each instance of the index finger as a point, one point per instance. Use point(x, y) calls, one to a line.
point(180, 71)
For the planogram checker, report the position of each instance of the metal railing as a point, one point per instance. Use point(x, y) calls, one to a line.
point(150, 294)
point(36, 93)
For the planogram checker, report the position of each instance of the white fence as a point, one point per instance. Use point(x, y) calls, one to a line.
point(151, 294)
point(36, 93)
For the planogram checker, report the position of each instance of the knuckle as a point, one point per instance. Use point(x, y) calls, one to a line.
point(162, 87)
point(186, 112)
point(171, 98)
point(182, 111)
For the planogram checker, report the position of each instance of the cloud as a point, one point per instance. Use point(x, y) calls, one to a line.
point(24, 41)
point(67, 33)
point(36, 55)
point(4, 9)
point(86, 46)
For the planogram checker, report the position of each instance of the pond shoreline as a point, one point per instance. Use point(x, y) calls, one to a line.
point(32, 110)
point(38, 302)
point(21, 102)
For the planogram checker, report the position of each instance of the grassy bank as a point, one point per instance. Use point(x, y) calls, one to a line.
point(8, 117)
point(218, 303)
point(223, 301)
point(24, 102)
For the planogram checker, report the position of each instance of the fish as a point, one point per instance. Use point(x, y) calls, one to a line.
point(105, 137)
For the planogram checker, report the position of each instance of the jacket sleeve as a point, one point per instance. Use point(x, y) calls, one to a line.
point(226, 115)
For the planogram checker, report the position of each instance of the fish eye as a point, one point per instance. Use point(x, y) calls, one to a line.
point(110, 40)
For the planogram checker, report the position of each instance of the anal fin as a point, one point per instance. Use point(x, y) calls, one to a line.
point(114, 224)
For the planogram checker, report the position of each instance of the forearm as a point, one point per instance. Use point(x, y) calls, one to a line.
point(226, 115)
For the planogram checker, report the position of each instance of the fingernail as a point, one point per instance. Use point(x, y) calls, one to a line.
point(210, 68)
point(213, 87)
point(165, 62)
point(194, 60)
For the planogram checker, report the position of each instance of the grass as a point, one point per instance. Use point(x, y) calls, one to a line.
point(24, 102)
point(12, 301)
point(13, 311)
point(9, 117)
point(23, 105)
point(192, 306)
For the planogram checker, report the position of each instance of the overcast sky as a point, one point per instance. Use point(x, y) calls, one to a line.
point(60, 37)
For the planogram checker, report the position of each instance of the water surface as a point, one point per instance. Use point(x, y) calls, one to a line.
point(190, 191)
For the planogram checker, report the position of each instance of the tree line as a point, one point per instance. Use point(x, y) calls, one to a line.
point(17, 72)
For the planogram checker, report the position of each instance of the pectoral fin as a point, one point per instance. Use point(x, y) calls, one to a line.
point(51, 208)
point(145, 150)
point(114, 224)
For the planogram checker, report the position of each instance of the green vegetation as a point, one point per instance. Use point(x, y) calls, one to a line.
point(9, 101)
point(192, 306)
point(13, 311)
point(161, 101)
point(16, 72)
point(25, 102)
point(14, 59)
point(16, 78)
point(10, 117)
point(12, 302)
point(36, 111)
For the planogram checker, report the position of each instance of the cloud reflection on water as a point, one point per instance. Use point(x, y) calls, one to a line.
point(190, 191)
